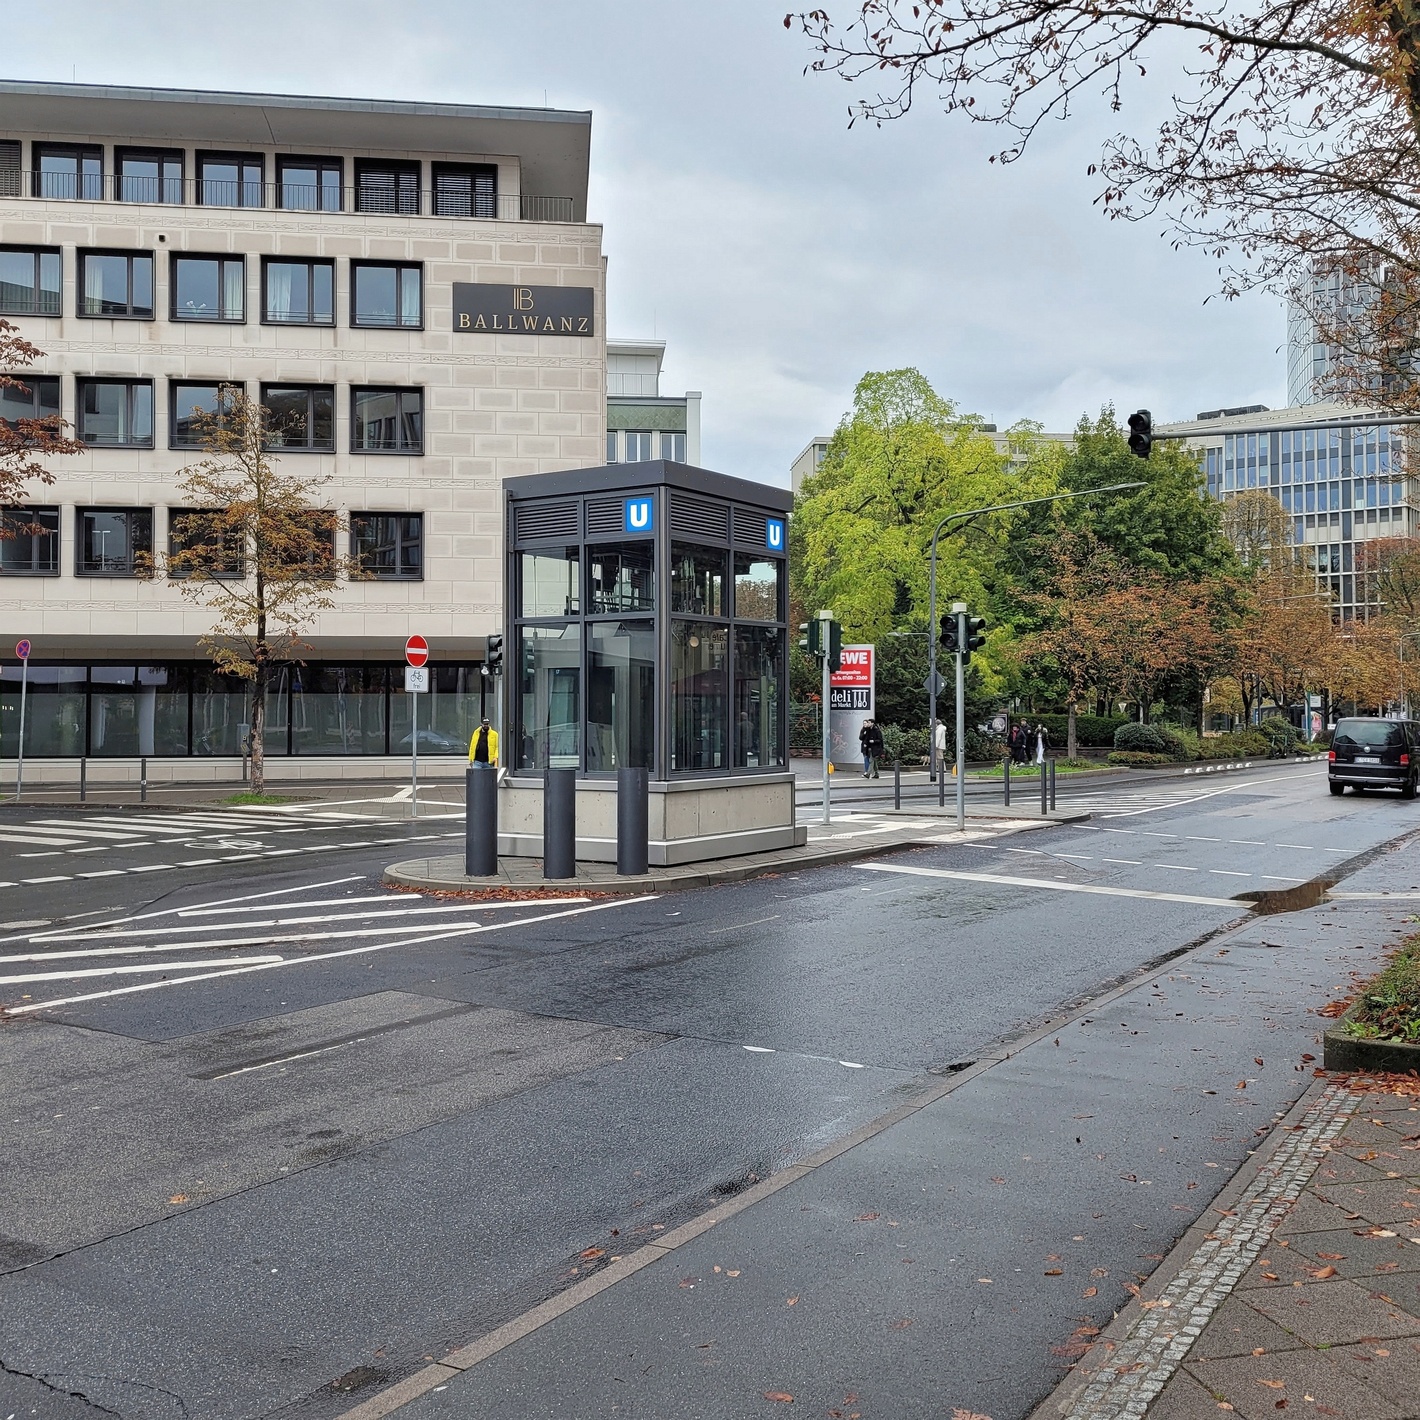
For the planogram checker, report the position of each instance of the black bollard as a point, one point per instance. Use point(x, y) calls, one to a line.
point(1052, 782)
point(559, 823)
point(1044, 788)
point(480, 832)
point(897, 783)
point(83, 778)
point(1006, 780)
point(143, 780)
point(633, 821)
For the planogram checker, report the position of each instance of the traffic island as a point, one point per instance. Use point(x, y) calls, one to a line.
point(1381, 1029)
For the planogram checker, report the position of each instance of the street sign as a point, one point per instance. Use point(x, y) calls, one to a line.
point(22, 649)
point(940, 686)
point(416, 651)
point(416, 679)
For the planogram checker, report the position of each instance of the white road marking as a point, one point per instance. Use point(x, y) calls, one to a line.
point(1176, 867)
point(187, 980)
point(1376, 896)
point(85, 831)
point(1307, 846)
point(1201, 838)
point(1228, 873)
point(1055, 886)
point(758, 922)
point(1128, 862)
point(759, 1049)
point(1273, 878)
point(43, 840)
point(62, 878)
point(129, 968)
point(1249, 842)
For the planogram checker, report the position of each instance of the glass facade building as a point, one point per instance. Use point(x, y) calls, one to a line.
point(646, 623)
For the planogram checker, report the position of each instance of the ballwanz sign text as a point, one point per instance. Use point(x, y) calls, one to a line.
point(524, 310)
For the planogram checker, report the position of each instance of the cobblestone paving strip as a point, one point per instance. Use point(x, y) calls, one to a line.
point(1154, 1346)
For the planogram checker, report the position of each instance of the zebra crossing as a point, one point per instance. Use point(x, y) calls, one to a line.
point(55, 849)
point(71, 963)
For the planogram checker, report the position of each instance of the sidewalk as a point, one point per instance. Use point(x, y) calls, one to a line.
point(1299, 1290)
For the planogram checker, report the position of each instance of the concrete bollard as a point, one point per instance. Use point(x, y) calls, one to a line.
point(633, 822)
point(480, 832)
point(559, 823)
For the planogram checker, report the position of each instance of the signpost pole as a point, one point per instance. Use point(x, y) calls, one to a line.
point(414, 754)
point(960, 609)
point(825, 617)
point(20, 751)
point(416, 655)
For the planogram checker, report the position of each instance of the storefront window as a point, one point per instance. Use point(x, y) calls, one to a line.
point(757, 587)
point(449, 711)
point(54, 710)
point(549, 582)
point(621, 695)
point(759, 676)
point(698, 580)
point(219, 710)
point(549, 697)
point(622, 578)
point(137, 710)
point(338, 710)
point(699, 652)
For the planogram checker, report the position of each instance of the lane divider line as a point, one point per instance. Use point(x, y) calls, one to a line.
point(1097, 889)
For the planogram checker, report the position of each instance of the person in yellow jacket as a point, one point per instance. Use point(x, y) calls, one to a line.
point(483, 747)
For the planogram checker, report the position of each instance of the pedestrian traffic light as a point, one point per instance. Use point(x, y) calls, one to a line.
point(493, 662)
point(975, 628)
point(1141, 433)
point(805, 636)
point(835, 645)
point(948, 633)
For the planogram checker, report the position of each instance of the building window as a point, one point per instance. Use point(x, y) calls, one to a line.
point(621, 694)
point(388, 545)
point(465, 190)
point(198, 543)
point(387, 421)
point(549, 692)
point(145, 176)
point(116, 414)
point(68, 171)
point(673, 447)
point(550, 582)
point(114, 542)
point(29, 542)
point(230, 179)
point(759, 585)
point(699, 695)
point(209, 288)
point(298, 292)
point(30, 281)
point(759, 677)
point(117, 285)
point(301, 417)
point(613, 445)
point(698, 580)
point(622, 578)
point(193, 404)
point(29, 397)
point(386, 294)
point(387, 187)
point(638, 445)
point(308, 184)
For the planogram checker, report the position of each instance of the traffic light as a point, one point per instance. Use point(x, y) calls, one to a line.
point(811, 636)
point(835, 645)
point(493, 661)
point(975, 627)
point(948, 636)
point(1141, 433)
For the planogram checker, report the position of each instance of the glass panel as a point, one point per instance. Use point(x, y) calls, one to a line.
point(219, 710)
point(110, 537)
point(301, 418)
point(150, 179)
point(29, 283)
point(387, 544)
point(698, 580)
point(37, 397)
point(29, 541)
point(759, 677)
point(549, 583)
point(105, 286)
point(449, 711)
point(621, 695)
point(411, 301)
point(197, 288)
point(190, 402)
point(376, 295)
point(71, 175)
point(115, 414)
point(638, 446)
point(299, 293)
point(389, 421)
point(611, 446)
point(338, 710)
point(699, 695)
point(549, 697)
point(622, 579)
point(673, 447)
point(54, 710)
point(757, 587)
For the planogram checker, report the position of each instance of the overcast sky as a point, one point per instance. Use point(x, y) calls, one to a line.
point(778, 254)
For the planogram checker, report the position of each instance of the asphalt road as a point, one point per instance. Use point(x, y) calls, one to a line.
point(273, 1135)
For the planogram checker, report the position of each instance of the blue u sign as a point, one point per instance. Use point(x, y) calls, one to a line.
point(638, 515)
point(774, 534)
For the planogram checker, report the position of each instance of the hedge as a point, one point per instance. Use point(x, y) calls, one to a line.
point(1094, 731)
point(1137, 758)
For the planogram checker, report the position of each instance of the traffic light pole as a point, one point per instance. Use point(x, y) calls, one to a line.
point(932, 632)
point(825, 619)
point(960, 609)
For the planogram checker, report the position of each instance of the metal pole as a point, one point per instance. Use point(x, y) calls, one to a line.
point(143, 779)
point(559, 823)
point(1044, 789)
point(83, 777)
point(933, 631)
point(414, 754)
point(1006, 779)
point(960, 609)
point(942, 783)
point(480, 849)
point(1052, 783)
point(20, 752)
point(633, 832)
point(897, 783)
point(824, 618)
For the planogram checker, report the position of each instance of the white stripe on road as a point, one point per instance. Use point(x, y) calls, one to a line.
point(31, 840)
point(1099, 891)
point(50, 824)
point(323, 956)
point(129, 969)
point(1377, 896)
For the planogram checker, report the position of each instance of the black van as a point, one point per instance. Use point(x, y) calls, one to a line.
point(1375, 754)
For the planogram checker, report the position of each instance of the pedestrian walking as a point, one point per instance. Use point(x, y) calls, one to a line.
point(870, 742)
point(939, 743)
point(1018, 744)
point(483, 747)
point(1042, 738)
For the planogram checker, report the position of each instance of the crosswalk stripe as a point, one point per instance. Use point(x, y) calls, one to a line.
point(49, 825)
point(36, 840)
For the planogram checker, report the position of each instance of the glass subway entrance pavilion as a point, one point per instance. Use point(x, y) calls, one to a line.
point(646, 628)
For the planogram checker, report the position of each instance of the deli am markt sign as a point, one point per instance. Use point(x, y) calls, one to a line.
point(524, 310)
point(852, 685)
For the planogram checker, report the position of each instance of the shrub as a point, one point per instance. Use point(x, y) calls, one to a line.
point(1092, 731)
point(1139, 738)
point(1245, 744)
point(1281, 735)
point(1137, 759)
point(1389, 1006)
point(1180, 745)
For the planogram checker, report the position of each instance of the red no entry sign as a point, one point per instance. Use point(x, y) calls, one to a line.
point(416, 651)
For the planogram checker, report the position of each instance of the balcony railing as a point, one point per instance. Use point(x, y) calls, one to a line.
point(283, 196)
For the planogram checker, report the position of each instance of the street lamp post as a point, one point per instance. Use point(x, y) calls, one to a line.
point(932, 683)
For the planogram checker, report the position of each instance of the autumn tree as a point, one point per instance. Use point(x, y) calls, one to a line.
point(258, 551)
point(25, 443)
point(1290, 148)
point(1258, 527)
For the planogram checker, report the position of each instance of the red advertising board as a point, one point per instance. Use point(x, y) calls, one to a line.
point(856, 668)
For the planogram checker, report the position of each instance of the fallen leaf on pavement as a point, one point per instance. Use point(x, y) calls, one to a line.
point(779, 1395)
point(178, 1198)
point(1131, 1289)
point(1273, 1385)
point(589, 1253)
point(733, 1272)
point(1223, 1405)
point(1054, 1272)
point(1332, 1256)
point(959, 1414)
point(903, 1324)
point(867, 1217)
point(1090, 1292)
point(1321, 1273)
point(1157, 1302)
point(792, 1302)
